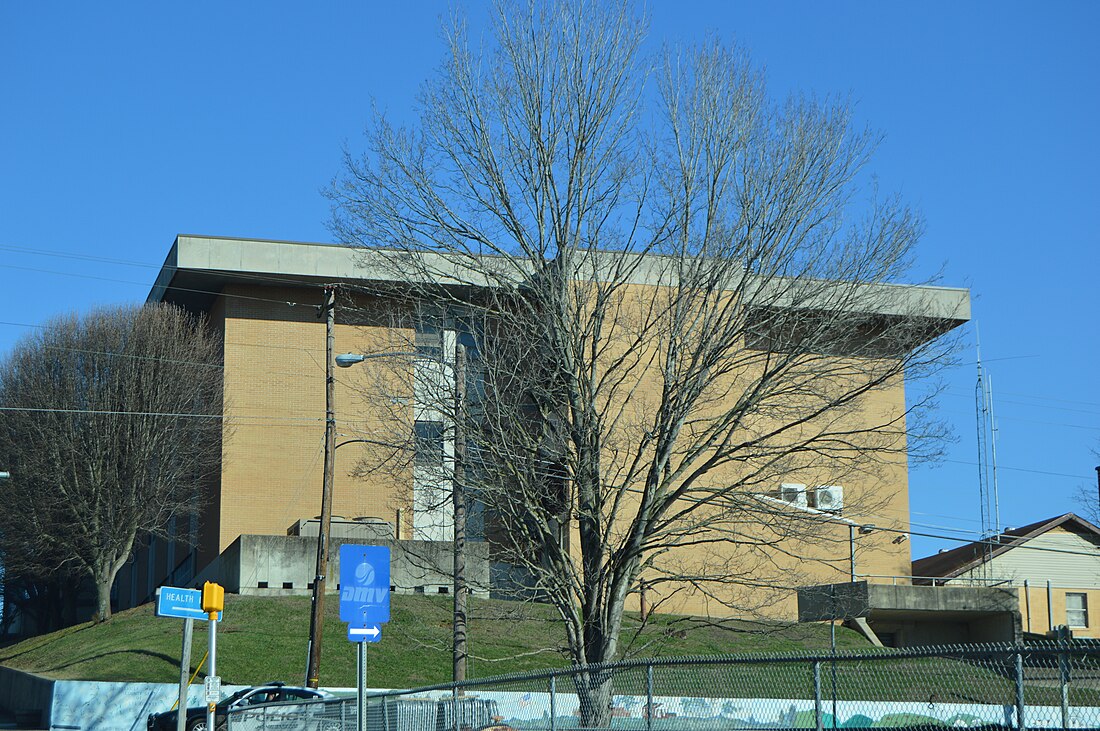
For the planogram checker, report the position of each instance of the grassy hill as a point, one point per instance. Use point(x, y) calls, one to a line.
point(264, 639)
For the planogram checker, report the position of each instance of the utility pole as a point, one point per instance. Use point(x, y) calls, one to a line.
point(458, 493)
point(317, 613)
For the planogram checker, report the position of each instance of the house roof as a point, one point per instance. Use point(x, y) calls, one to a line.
point(948, 564)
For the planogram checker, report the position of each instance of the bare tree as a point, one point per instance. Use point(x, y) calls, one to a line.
point(1087, 494)
point(678, 296)
point(111, 424)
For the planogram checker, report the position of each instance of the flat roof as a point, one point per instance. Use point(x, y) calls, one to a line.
point(197, 268)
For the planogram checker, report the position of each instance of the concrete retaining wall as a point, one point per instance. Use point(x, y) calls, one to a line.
point(26, 695)
point(285, 565)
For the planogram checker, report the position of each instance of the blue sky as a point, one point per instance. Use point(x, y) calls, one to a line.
point(124, 124)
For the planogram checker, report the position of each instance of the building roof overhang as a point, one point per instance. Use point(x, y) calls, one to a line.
point(198, 268)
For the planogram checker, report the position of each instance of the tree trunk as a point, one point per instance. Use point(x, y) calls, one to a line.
point(104, 578)
point(103, 597)
point(594, 690)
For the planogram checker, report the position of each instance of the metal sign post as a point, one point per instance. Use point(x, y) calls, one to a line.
point(361, 687)
point(364, 605)
point(185, 667)
point(185, 604)
point(211, 689)
point(213, 600)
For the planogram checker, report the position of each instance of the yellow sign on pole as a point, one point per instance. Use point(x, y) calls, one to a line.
point(213, 598)
point(213, 601)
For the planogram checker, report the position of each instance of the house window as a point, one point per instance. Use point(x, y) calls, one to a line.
point(1077, 609)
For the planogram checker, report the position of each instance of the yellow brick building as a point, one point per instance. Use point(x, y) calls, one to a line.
point(263, 297)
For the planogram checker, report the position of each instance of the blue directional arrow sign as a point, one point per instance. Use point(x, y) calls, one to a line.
point(364, 585)
point(181, 603)
point(372, 633)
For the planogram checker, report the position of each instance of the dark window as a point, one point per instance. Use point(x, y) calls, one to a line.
point(429, 443)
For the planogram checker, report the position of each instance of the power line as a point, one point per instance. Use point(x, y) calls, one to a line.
point(133, 356)
point(905, 531)
point(172, 287)
point(370, 421)
point(1021, 469)
point(995, 543)
point(956, 394)
point(148, 265)
point(79, 257)
point(251, 276)
point(97, 412)
point(296, 421)
point(1043, 422)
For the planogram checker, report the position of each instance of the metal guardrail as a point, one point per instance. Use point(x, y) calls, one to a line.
point(940, 580)
point(991, 686)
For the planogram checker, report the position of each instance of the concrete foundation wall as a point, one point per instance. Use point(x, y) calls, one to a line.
point(943, 598)
point(285, 565)
point(26, 696)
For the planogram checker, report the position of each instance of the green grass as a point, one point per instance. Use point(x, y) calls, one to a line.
point(264, 639)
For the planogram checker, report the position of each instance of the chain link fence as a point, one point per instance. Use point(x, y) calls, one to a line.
point(989, 687)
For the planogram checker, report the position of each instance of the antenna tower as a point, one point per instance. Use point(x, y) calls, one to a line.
point(987, 462)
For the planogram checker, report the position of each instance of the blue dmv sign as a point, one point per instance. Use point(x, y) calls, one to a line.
point(181, 603)
point(364, 585)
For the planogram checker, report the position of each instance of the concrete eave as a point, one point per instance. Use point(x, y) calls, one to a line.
point(197, 268)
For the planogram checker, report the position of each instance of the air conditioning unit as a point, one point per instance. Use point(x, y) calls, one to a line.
point(793, 493)
point(829, 497)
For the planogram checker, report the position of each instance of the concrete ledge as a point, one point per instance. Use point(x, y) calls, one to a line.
point(861, 599)
point(902, 615)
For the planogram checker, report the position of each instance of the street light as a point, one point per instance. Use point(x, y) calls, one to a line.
point(347, 360)
point(324, 533)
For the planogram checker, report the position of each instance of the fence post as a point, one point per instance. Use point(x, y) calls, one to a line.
point(1063, 672)
point(553, 702)
point(649, 696)
point(817, 696)
point(454, 707)
point(385, 714)
point(1021, 722)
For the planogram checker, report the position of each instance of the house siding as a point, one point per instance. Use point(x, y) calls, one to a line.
point(1069, 569)
point(1067, 572)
